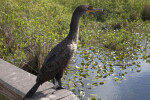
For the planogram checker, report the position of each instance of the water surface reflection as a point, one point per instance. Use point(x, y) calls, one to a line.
point(135, 85)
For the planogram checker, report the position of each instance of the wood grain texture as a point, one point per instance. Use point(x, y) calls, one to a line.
point(15, 83)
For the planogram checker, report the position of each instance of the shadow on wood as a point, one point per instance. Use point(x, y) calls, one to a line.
point(15, 83)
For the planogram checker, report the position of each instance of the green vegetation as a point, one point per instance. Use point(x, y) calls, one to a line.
point(3, 97)
point(29, 29)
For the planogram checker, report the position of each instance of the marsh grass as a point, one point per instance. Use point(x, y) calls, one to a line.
point(29, 29)
point(146, 12)
point(2, 97)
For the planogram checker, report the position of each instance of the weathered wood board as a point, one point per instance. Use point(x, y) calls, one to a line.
point(15, 83)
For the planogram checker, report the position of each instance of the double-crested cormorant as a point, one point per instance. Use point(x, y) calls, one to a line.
point(59, 57)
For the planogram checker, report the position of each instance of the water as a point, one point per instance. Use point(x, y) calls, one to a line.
point(135, 85)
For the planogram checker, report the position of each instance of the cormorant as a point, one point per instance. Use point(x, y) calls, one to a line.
point(59, 57)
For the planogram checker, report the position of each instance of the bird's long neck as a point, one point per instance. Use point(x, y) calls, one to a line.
point(74, 27)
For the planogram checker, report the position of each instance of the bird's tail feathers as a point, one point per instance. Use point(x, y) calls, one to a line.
point(31, 91)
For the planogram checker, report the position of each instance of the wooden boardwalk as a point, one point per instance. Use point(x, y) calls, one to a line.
point(15, 83)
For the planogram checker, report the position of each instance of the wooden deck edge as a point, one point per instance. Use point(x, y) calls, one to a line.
point(15, 83)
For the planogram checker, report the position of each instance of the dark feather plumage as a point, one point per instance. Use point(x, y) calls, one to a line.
point(59, 57)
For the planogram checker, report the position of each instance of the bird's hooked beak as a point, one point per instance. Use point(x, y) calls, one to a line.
point(95, 10)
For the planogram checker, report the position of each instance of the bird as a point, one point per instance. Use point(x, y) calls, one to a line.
point(59, 57)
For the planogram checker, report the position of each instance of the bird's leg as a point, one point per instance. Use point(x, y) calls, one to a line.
point(58, 79)
point(60, 85)
point(54, 81)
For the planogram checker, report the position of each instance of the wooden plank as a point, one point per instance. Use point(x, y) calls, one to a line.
point(15, 83)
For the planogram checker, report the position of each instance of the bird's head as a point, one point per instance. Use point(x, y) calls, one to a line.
point(83, 9)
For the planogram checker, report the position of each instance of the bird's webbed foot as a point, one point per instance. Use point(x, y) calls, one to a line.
point(57, 87)
point(60, 87)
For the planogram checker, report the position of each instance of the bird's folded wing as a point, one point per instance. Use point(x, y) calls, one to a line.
point(50, 64)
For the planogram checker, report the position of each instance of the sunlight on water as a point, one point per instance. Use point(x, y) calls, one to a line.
point(130, 83)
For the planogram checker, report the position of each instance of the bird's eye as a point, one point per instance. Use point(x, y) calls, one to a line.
point(90, 8)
